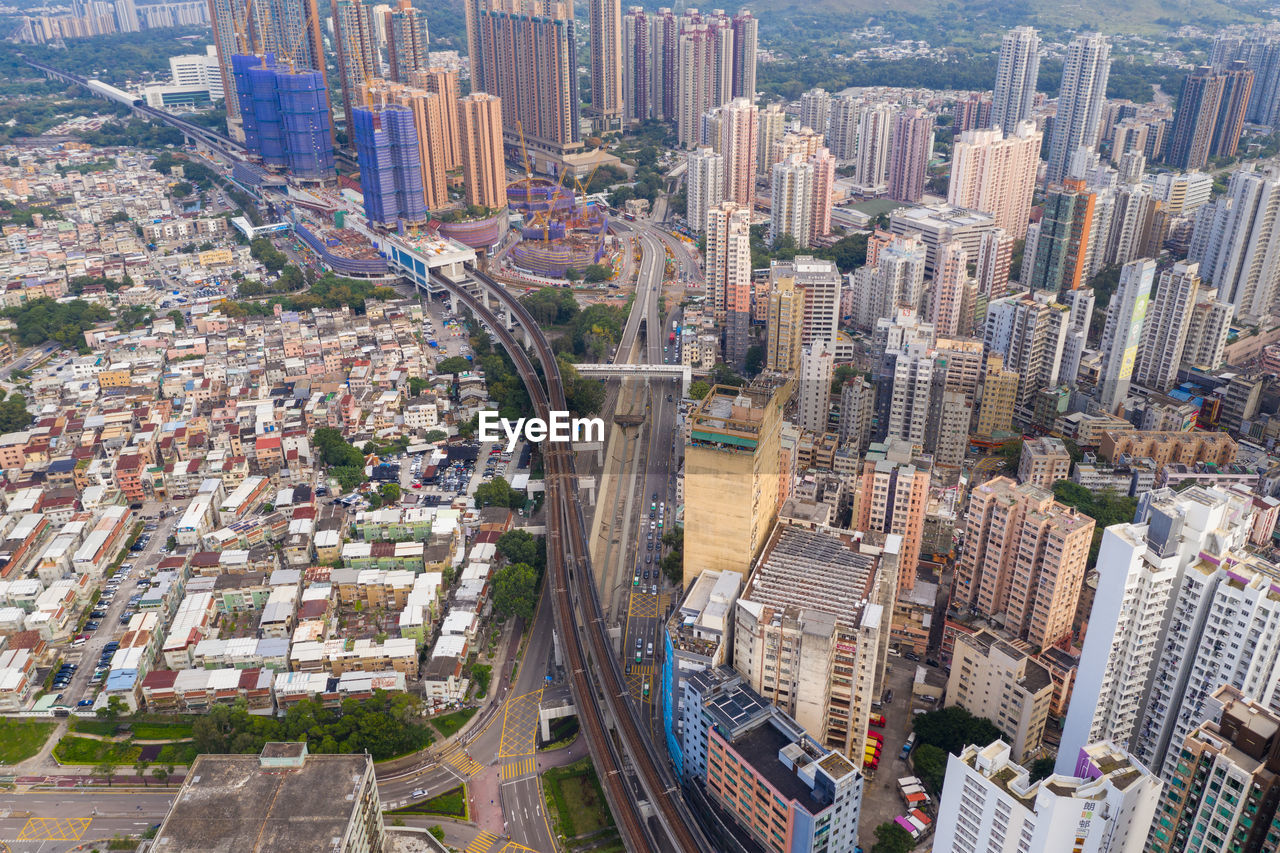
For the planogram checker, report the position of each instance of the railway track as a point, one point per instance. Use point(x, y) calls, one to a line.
point(573, 581)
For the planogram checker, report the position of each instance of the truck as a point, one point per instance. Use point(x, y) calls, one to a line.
point(906, 747)
point(671, 339)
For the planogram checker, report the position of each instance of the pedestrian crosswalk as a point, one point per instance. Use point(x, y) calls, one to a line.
point(456, 757)
point(517, 768)
point(482, 843)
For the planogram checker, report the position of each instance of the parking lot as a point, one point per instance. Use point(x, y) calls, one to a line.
point(116, 604)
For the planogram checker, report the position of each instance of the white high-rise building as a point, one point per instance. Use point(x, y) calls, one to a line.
point(728, 273)
point(705, 185)
point(1237, 242)
point(1140, 565)
point(1122, 333)
point(1208, 330)
point(905, 376)
point(814, 106)
point(1029, 330)
point(817, 363)
point(1016, 76)
point(739, 121)
point(703, 75)
point(1105, 804)
point(792, 200)
point(1222, 631)
point(895, 281)
point(996, 174)
point(1080, 302)
point(871, 168)
point(198, 69)
point(1080, 102)
point(1164, 334)
point(126, 16)
point(949, 284)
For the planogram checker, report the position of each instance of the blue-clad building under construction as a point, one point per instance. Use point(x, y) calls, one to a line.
point(390, 166)
point(286, 117)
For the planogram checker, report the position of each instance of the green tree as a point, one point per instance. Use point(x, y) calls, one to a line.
point(498, 492)
point(334, 450)
point(930, 764)
point(390, 493)
point(436, 831)
point(891, 838)
point(755, 359)
point(13, 414)
point(952, 729)
point(518, 546)
point(416, 385)
point(264, 252)
point(699, 388)
point(515, 590)
point(161, 774)
point(434, 435)
point(179, 321)
point(596, 273)
point(454, 364)
point(572, 274)
point(182, 189)
point(140, 769)
point(1012, 453)
point(1041, 768)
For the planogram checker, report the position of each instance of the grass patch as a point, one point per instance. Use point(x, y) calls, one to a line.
point(80, 750)
point(449, 724)
point(184, 753)
point(142, 729)
point(575, 797)
point(452, 803)
point(21, 738)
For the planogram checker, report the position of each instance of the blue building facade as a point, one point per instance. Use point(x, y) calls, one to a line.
point(386, 142)
point(286, 116)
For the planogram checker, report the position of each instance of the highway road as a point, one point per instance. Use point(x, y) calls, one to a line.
point(43, 821)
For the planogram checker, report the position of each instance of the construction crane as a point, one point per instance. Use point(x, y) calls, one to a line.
point(543, 217)
point(582, 188)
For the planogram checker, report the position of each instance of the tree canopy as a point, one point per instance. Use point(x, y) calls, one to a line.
point(13, 414)
point(952, 729)
point(515, 590)
point(498, 492)
point(43, 319)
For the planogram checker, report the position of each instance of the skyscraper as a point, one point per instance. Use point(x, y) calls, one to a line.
point(744, 55)
point(529, 53)
point(606, 62)
point(1057, 255)
point(972, 113)
point(728, 272)
point(288, 30)
point(996, 174)
point(772, 122)
point(427, 113)
point(1237, 88)
point(871, 169)
point(895, 279)
point(824, 179)
point(480, 142)
point(1195, 119)
point(995, 256)
point(1207, 331)
point(814, 105)
point(1023, 560)
point(637, 66)
point(285, 115)
point(910, 150)
point(126, 16)
point(904, 376)
point(821, 282)
point(1083, 92)
point(1237, 748)
point(842, 128)
point(444, 82)
point(386, 144)
point(408, 43)
point(817, 362)
point(892, 494)
point(948, 289)
point(732, 468)
point(738, 139)
point(1122, 333)
point(1029, 330)
point(1164, 334)
point(664, 48)
point(704, 185)
point(1235, 238)
point(792, 200)
point(704, 74)
point(784, 324)
point(1017, 73)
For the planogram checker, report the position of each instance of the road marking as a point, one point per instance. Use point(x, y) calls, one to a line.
point(513, 847)
point(520, 725)
point(456, 758)
point(518, 768)
point(482, 842)
point(55, 829)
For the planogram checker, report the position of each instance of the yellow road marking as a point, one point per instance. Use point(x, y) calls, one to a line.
point(482, 842)
point(518, 768)
point(520, 725)
point(55, 829)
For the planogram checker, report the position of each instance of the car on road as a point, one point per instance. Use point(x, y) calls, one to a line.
point(84, 703)
point(91, 625)
point(911, 656)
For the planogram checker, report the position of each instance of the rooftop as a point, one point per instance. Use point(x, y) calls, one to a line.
point(283, 801)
